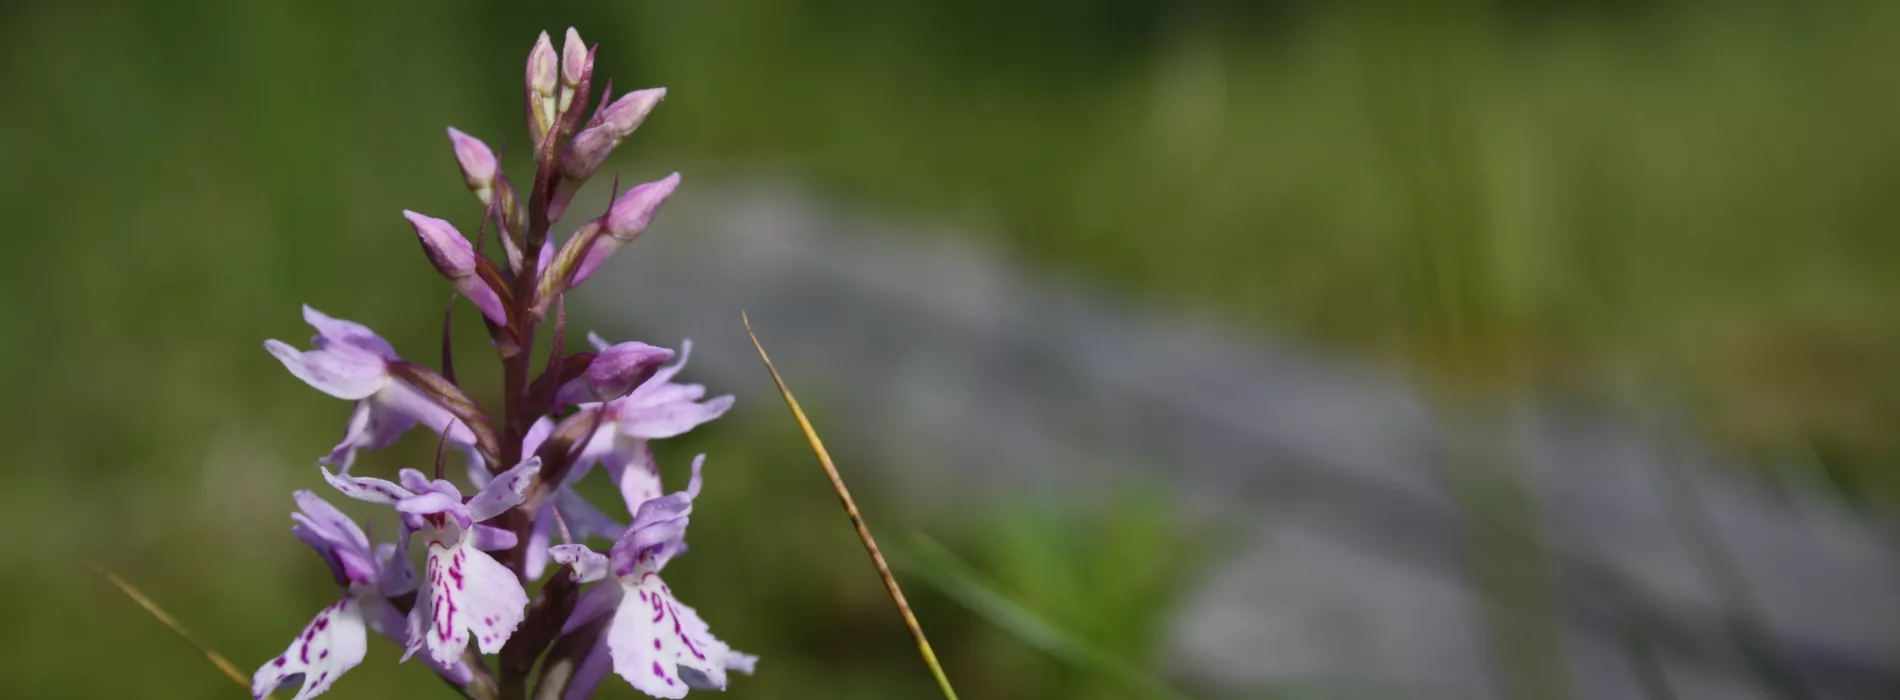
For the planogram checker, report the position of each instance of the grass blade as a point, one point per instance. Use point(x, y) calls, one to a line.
point(166, 619)
point(857, 519)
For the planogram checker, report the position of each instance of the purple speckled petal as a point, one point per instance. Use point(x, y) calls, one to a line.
point(589, 565)
point(653, 638)
point(468, 593)
point(340, 374)
point(490, 539)
point(365, 488)
point(331, 644)
point(505, 491)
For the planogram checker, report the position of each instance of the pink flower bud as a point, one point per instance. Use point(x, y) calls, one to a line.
point(632, 211)
point(544, 80)
point(573, 66)
point(452, 255)
point(625, 220)
point(620, 368)
point(586, 152)
point(615, 371)
point(478, 163)
point(448, 250)
point(626, 113)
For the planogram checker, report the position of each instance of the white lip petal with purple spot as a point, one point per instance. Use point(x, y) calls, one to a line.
point(331, 644)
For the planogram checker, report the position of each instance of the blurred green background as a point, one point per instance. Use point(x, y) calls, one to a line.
point(1692, 197)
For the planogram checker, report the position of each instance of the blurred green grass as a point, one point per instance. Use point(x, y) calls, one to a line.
point(1694, 196)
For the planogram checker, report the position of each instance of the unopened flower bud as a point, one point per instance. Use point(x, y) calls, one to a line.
point(613, 373)
point(627, 218)
point(573, 66)
point(586, 152)
point(452, 256)
point(632, 211)
point(626, 113)
point(544, 82)
point(478, 164)
point(614, 123)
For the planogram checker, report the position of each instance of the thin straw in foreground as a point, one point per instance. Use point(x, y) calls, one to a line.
point(166, 619)
point(857, 519)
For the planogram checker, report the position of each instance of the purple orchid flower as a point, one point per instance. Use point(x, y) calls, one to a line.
point(658, 644)
point(467, 591)
point(655, 409)
point(335, 642)
point(351, 362)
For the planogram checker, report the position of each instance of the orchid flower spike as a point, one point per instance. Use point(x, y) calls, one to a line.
point(351, 362)
point(334, 642)
point(658, 644)
point(465, 590)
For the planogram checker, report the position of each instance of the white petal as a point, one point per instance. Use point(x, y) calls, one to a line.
point(496, 601)
point(468, 591)
point(332, 643)
point(653, 637)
